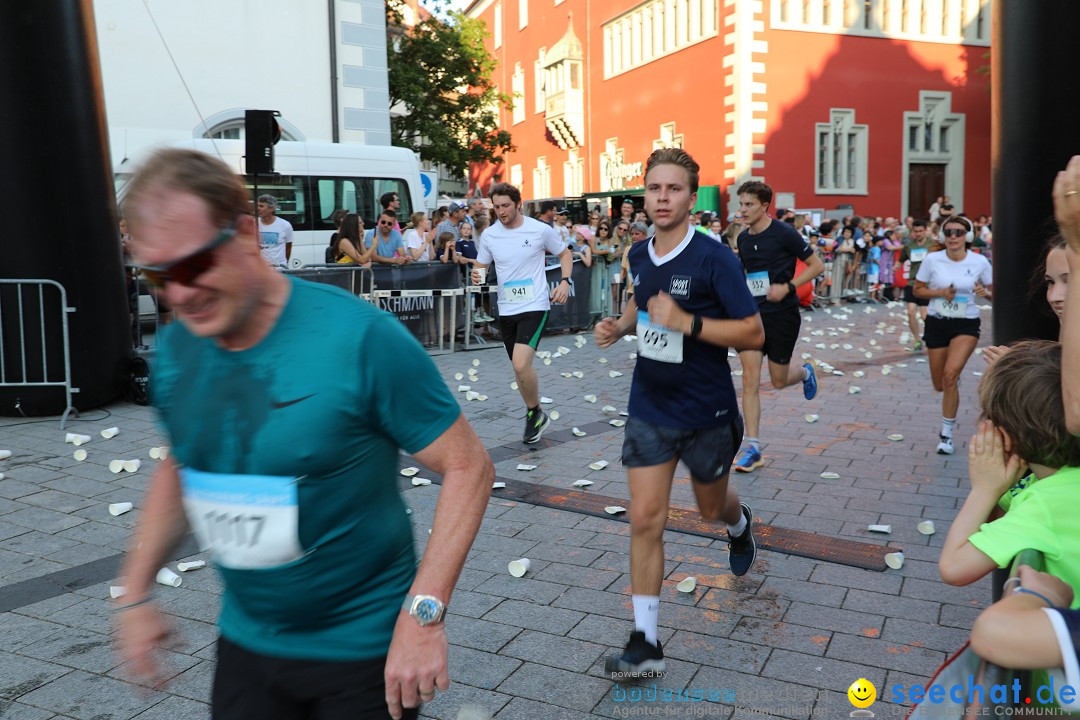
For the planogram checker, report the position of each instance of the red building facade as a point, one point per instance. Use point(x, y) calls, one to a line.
point(877, 104)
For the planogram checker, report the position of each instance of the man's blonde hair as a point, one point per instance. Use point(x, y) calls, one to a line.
point(192, 172)
point(675, 156)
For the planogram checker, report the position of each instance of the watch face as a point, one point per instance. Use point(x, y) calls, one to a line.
point(427, 611)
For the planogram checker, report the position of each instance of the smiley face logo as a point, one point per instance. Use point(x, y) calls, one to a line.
point(862, 693)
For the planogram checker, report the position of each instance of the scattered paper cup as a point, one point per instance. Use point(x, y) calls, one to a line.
point(476, 363)
point(812, 418)
point(687, 585)
point(554, 415)
point(564, 350)
point(116, 466)
point(79, 455)
point(837, 372)
point(120, 508)
point(525, 468)
point(582, 483)
point(828, 475)
point(419, 481)
point(567, 375)
point(617, 423)
point(578, 374)
point(602, 361)
point(498, 485)
point(116, 591)
point(737, 373)
point(109, 433)
point(886, 370)
point(896, 437)
point(519, 567)
point(590, 398)
point(895, 560)
point(854, 390)
point(464, 388)
point(155, 453)
point(132, 465)
point(614, 374)
point(858, 374)
point(514, 385)
point(598, 465)
point(926, 527)
point(409, 471)
point(578, 432)
point(5, 454)
point(459, 376)
point(80, 440)
point(868, 354)
point(879, 528)
point(547, 361)
point(614, 509)
point(545, 400)
point(633, 356)
point(165, 576)
point(189, 566)
point(609, 409)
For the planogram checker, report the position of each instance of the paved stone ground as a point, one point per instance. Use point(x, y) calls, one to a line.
point(786, 640)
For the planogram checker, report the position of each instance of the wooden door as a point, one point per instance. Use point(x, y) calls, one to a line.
point(926, 183)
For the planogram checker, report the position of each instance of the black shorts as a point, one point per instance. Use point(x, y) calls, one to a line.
point(524, 328)
point(248, 685)
point(939, 332)
point(909, 296)
point(707, 452)
point(781, 334)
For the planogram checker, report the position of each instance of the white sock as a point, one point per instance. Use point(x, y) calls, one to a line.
point(754, 443)
point(947, 425)
point(646, 614)
point(739, 528)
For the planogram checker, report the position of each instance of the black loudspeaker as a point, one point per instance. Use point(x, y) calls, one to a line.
point(261, 133)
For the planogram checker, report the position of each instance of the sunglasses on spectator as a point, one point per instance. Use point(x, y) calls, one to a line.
point(954, 232)
point(386, 223)
point(189, 268)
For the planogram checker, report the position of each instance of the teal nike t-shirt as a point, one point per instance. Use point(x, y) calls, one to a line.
point(288, 460)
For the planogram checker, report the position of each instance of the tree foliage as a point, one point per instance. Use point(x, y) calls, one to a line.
point(442, 99)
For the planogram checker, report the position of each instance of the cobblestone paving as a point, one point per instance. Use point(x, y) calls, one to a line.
point(786, 640)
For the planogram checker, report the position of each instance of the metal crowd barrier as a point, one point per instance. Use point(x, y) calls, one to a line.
point(21, 375)
point(353, 278)
point(440, 345)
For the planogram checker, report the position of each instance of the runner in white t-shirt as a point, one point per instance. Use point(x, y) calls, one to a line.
point(275, 234)
point(518, 244)
point(951, 280)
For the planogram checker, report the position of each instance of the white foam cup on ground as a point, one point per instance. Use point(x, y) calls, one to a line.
point(155, 453)
point(109, 433)
point(132, 465)
point(79, 455)
point(5, 454)
point(926, 527)
point(895, 560)
point(116, 591)
point(120, 508)
point(116, 466)
point(687, 585)
point(193, 565)
point(165, 576)
point(519, 567)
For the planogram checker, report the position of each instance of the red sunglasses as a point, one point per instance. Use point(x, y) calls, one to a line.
point(189, 268)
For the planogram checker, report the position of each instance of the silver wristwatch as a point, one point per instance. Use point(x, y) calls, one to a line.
point(427, 609)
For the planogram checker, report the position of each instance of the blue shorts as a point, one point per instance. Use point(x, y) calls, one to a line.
point(707, 452)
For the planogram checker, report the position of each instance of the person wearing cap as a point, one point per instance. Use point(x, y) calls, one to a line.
point(275, 234)
point(627, 211)
point(285, 467)
point(455, 214)
point(562, 225)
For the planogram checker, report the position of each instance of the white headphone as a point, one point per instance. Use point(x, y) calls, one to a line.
point(969, 236)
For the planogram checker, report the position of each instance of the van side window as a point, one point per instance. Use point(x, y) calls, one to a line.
point(289, 191)
point(358, 195)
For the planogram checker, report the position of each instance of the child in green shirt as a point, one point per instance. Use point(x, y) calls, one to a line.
point(1023, 427)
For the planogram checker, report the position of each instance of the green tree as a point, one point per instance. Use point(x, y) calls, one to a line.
point(440, 80)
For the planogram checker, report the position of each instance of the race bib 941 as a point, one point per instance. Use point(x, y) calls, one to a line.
point(657, 342)
point(245, 521)
point(518, 291)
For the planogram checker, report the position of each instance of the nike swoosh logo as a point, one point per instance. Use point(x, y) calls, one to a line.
point(287, 403)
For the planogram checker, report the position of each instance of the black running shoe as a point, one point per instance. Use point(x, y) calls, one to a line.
point(742, 551)
point(536, 422)
point(640, 657)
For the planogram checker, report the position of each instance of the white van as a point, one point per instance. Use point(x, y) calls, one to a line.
point(312, 180)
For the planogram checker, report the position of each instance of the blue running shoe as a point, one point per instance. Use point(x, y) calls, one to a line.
point(809, 385)
point(749, 459)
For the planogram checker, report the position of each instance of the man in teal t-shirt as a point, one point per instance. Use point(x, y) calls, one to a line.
point(285, 431)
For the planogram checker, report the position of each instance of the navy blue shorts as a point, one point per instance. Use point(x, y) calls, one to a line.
point(707, 452)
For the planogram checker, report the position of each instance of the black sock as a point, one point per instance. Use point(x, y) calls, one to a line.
point(534, 409)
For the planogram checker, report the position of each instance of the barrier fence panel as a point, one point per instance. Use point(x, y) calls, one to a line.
point(424, 297)
point(353, 278)
point(27, 308)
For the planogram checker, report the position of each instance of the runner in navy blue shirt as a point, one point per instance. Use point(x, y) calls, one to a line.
point(682, 402)
point(768, 250)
